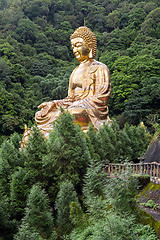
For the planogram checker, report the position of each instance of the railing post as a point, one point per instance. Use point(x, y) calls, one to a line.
point(154, 169)
point(111, 168)
point(115, 169)
point(145, 168)
point(158, 170)
point(107, 169)
point(151, 170)
point(132, 168)
point(140, 168)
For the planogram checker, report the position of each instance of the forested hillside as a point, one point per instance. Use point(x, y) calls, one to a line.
point(57, 189)
point(36, 59)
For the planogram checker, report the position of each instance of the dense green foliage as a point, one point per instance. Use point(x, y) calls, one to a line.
point(36, 59)
point(57, 189)
point(112, 215)
point(115, 145)
point(38, 221)
point(65, 197)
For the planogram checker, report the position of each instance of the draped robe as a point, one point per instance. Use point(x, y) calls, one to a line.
point(88, 96)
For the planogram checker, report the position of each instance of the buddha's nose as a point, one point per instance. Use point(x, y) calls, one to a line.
point(74, 49)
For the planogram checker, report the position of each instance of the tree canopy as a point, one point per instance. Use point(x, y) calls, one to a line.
point(36, 59)
point(57, 188)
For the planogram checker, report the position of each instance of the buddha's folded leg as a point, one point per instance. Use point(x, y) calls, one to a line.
point(85, 116)
point(80, 117)
point(45, 124)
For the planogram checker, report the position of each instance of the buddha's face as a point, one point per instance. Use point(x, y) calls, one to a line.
point(80, 49)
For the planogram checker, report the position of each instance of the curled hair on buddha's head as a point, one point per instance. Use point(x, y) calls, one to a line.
point(88, 36)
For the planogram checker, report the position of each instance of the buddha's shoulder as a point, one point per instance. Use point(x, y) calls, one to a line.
point(98, 65)
point(91, 67)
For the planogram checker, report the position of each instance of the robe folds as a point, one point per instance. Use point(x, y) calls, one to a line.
point(88, 96)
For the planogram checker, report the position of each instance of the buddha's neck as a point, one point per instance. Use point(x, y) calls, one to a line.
point(86, 61)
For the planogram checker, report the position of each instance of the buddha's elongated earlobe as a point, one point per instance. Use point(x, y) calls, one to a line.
point(91, 54)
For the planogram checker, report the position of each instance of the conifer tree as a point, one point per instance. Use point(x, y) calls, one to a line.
point(93, 189)
point(108, 139)
point(15, 139)
point(38, 221)
point(95, 143)
point(138, 140)
point(7, 225)
point(65, 197)
point(68, 154)
point(93, 179)
point(20, 185)
point(9, 160)
point(124, 147)
point(33, 154)
point(121, 191)
point(116, 145)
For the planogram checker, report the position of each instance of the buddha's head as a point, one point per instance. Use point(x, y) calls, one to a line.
point(84, 44)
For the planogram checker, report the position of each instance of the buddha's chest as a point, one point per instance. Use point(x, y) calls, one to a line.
point(78, 78)
point(83, 80)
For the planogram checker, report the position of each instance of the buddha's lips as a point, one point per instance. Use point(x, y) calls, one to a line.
point(76, 54)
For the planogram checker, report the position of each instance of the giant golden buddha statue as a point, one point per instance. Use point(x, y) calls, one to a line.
point(89, 88)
